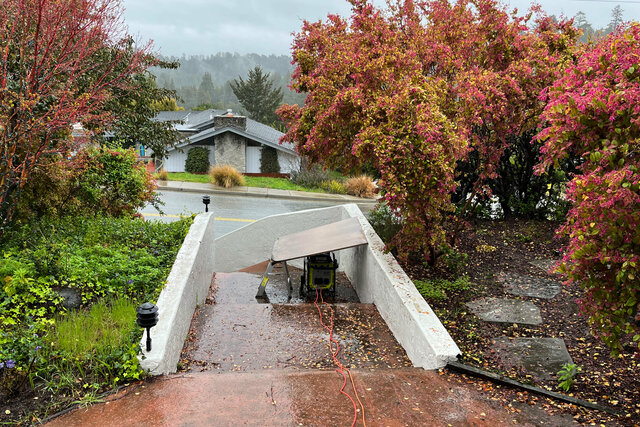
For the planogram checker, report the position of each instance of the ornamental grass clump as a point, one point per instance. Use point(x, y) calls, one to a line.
point(226, 176)
point(360, 186)
point(104, 325)
point(162, 175)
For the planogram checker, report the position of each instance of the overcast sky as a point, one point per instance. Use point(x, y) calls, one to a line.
point(265, 26)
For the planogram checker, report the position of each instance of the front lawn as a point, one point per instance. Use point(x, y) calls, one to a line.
point(250, 181)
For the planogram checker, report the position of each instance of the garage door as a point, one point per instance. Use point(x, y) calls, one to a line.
point(253, 159)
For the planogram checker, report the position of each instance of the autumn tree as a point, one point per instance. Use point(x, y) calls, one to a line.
point(594, 112)
point(258, 96)
point(53, 74)
point(166, 104)
point(414, 90)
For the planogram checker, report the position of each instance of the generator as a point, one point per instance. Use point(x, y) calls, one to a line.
point(319, 273)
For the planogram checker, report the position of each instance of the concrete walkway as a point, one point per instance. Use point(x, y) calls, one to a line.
point(204, 188)
point(269, 365)
point(393, 397)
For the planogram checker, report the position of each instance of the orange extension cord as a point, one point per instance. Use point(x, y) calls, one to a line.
point(340, 368)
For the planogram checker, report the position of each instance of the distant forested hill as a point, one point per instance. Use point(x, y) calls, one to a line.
point(204, 80)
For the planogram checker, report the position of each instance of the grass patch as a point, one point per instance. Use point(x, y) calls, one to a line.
point(104, 325)
point(188, 177)
point(250, 181)
point(278, 184)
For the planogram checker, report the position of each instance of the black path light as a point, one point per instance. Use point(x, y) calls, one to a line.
point(147, 318)
point(206, 200)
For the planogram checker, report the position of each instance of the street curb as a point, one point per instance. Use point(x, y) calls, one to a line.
point(266, 195)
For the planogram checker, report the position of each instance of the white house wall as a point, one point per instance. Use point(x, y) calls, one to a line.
point(175, 159)
point(288, 162)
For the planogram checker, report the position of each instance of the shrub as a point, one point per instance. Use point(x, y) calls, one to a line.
point(197, 160)
point(162, 175)
point(313, 177)
point(226, 176)
point(360, 186)
point(593, 112)
point(334, 186)
point(269, 160)
point(386, 223)
point(95, 181)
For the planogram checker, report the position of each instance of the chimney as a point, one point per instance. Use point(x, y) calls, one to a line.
point(230, 120)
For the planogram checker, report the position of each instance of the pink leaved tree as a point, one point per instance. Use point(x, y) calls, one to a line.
point(594, 112)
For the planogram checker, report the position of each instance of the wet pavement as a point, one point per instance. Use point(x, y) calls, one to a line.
point(399, 397)
point(269, 364)
point(235, 332)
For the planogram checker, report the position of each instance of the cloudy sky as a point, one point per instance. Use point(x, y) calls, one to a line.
point(265, 26)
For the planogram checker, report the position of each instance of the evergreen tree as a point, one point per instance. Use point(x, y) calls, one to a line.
point(258, 96)
point(206, 91)
point(617, 18)
point(588, 33)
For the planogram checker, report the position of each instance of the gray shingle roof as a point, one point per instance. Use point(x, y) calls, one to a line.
point(192, 120)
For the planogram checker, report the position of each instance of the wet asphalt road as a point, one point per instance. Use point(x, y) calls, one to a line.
point(231, 212)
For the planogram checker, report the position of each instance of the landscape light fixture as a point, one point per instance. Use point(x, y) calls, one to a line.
point(147, 318)
point(206, 200)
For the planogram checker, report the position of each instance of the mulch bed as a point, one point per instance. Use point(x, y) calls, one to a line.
point(508, 246)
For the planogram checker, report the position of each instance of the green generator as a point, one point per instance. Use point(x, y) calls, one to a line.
point(319, 273)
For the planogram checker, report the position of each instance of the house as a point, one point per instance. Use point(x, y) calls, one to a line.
point(231, 139)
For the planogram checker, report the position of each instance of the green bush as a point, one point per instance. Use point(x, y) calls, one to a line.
point(312, 177)
point(454, 260)
point(269, 160)
point(95, 181)
point(386, 223)
point(197, 160)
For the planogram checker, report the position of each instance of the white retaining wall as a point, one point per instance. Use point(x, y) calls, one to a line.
point(379, 279)
point(187, 286)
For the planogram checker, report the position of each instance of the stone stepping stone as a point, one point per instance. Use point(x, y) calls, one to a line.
point(544, 264)
point(529, 286)
point(504, 310)
point(542, 357)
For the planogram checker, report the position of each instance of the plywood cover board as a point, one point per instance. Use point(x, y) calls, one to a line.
point(326, 238)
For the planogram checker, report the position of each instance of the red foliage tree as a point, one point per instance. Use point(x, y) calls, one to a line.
point(594, 112)
point(53, 73)
point(413, 89)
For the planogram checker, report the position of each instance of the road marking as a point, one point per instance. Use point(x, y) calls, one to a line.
point(234, 219)
point(184, 216)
